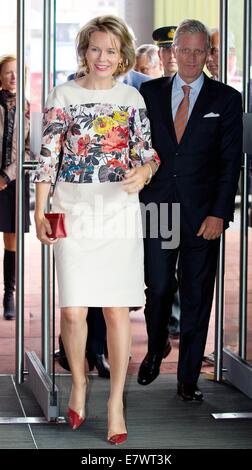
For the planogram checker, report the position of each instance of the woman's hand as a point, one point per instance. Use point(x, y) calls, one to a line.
point(134, 180)
point(3, 184)
point(42, 227)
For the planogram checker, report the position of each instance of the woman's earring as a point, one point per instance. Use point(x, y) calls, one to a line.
point(121, 67)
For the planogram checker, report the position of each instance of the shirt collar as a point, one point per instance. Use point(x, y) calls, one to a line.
point(194, 85)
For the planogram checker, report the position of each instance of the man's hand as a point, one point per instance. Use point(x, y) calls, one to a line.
point(211, 228)
point(3, 184)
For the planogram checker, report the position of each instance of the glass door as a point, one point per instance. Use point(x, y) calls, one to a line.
point(238, 257)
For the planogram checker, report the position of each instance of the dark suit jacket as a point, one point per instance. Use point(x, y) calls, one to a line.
point(202, 171)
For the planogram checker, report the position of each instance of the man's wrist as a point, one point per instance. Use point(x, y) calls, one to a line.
point(5, 177)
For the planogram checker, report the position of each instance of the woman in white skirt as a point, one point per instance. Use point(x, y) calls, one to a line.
point(99, 127)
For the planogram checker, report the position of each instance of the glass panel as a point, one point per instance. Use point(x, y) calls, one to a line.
point(8, 26)
point(34, 20)
point(235, 54)
point(249, 304)
point(7, 329)
point(235, 43)
point(68, 22)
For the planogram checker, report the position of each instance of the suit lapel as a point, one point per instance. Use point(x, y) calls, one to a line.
point(166, 106)
point(204, 98)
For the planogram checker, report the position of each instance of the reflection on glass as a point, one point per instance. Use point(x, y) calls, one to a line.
point(235, 44)
point(232, 256)
point(249, 300)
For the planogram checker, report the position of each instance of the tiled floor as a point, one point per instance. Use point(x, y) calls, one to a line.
point(156, 419)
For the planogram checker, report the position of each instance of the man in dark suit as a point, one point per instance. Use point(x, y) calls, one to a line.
point(199, 170)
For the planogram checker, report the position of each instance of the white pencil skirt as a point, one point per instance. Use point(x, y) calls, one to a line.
point(100, 262)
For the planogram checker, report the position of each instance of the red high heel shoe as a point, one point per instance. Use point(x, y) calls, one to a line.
point(118, 438)
point(75, 420)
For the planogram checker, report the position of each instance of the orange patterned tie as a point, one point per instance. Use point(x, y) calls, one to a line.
point(180, 120)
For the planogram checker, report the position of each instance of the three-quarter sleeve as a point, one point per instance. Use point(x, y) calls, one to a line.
point(53, 131)
point(141, 150)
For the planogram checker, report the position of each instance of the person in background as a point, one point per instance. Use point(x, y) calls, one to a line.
point(164, 40)
point(212, 62)
point(134, 78)
point(8, 158)
point(100, 127)
point(148, 61)
point(196, 126)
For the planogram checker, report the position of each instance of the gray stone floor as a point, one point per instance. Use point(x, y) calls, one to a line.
point(156, 417)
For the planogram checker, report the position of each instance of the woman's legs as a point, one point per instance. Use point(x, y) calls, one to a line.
point(74, 337)
point(9, 274)
point(118, 339)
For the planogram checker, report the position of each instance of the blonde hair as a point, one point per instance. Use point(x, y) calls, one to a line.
point(4, 59)
point(112, 25)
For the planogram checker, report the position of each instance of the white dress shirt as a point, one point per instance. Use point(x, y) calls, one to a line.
point(178, 94)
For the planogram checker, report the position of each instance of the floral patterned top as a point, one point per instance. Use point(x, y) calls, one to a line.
point(93, 135)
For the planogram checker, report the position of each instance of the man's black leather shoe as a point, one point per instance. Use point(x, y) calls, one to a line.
point(98, 361)
point(149, 369)
point(190, 392)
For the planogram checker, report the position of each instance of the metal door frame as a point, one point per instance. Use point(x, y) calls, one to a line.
point(238, 372)
point(38, 377)
point(235, 369)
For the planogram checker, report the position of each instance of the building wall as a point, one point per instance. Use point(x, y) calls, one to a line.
point(139, 16)
point(169, 12)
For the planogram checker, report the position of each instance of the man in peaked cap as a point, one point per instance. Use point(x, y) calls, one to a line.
point(164, 40)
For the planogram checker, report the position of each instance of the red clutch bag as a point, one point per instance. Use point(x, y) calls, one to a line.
point(57, 222)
